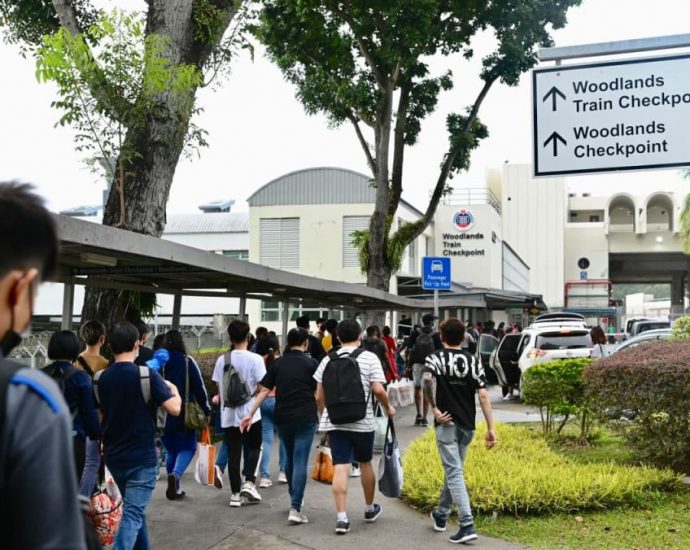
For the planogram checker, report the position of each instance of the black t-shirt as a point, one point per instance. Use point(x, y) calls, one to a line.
point(292, 375)
point(315, 348)
point(145, 354)
point(458, 377)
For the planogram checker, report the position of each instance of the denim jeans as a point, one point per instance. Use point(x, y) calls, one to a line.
point(452, 442)
point(179, 451)
point(136, 485)
point(298, 438)
point(89, 475)
point(268, 427)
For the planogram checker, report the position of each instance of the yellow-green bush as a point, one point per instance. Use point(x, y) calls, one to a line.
point(524, 475)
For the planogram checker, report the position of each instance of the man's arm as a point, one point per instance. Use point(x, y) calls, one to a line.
point(382, 396)
point(320, 400)
point(429, 386)
point(262, 393)
point(173, 405)
point(485, 404)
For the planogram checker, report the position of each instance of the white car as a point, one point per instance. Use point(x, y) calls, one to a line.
point(550, 337)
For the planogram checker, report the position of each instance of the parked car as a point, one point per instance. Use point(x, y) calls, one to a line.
point(647, 336)
point(550, 337)
point(645, 325)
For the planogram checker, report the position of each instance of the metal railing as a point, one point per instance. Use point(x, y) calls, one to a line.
point(472, 195)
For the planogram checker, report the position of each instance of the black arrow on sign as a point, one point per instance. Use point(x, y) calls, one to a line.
point(555, 138)
point(553, 93)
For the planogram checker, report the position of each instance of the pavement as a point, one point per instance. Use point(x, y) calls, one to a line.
point(203, 520)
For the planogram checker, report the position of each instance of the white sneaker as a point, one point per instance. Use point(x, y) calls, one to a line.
point(296, 518)
point(355, 471)
point(282, 478)
point(250, 493)
point(265, 483)
point(235, 500)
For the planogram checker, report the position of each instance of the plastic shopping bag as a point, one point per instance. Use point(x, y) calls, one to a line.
point(394, 394)
point(106, 508)
point(390, 466)
point(380, 428)
point(406, 393)
point(204, 473)
point(323, 469)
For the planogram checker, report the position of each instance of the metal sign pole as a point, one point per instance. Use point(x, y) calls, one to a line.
point(436, 303)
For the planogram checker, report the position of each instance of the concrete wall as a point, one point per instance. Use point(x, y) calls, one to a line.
point(586, 240)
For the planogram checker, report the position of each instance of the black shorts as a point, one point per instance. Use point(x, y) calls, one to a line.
point(348, 447)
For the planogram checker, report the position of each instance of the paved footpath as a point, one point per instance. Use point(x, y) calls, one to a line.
point(203, 520)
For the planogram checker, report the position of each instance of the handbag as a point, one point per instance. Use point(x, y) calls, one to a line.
point(105, 511)
point(194, 417)
point(323, 469)
point(204, 472)
point(390, 467)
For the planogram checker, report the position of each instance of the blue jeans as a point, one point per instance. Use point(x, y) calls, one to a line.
point(136, 485)
point(453, 442)
point(268, 427)
point(89, 475)
point(179, 451)
point(298, 438)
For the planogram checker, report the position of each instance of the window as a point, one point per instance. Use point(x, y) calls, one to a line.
point(563, 340)
point(270, 310)
point(412, 258)
point(350, 251)
point(279, 242)
point(594, 219)
point(236, 254)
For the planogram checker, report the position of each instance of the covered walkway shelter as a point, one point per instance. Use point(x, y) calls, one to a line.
point(105, 257)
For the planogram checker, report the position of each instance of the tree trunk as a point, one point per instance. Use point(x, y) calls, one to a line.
point(158, 144)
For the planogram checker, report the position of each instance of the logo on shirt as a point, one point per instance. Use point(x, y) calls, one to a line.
point(463, 220)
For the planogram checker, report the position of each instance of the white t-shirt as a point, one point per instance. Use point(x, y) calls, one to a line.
point(252, 370)
point(371, 371)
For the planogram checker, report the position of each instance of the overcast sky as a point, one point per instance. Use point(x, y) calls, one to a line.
point(258, 130)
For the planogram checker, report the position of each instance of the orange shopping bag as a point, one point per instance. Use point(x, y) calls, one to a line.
point(204, 472)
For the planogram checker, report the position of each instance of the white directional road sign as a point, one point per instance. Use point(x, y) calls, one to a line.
point(620, 115)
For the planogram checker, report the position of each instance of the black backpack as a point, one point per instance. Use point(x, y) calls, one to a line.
point(343, 389)
point(236, 389)
point(423, 347)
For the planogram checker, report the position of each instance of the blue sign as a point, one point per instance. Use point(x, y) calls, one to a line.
point(435, 273)
point(583, 275)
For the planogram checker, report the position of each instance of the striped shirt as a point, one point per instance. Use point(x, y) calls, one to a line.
point(371, 371)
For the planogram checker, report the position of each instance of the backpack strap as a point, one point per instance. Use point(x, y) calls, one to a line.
point(7, 371)
point(96, 381)
point(145, 383)
point(227, 360)
point(85, 365)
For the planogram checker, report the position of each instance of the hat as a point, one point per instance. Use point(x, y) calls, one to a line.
point(428, 318)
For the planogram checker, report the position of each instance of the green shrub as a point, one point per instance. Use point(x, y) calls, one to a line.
point(652, 382)
point(681, 328)
point(524, 475)
point(558, 389)
point(207, 362)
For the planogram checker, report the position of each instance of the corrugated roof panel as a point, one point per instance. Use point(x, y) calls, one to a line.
point(224, 222)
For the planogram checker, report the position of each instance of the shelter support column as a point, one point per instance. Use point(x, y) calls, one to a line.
point(678, 295)
point(177, 310)
point(285, 313)
point(67, 306)
point(243, 308)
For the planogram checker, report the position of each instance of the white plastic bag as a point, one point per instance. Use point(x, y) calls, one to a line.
point(406, 393)
point(204, 472)
point(394, 395)
point(380, 428)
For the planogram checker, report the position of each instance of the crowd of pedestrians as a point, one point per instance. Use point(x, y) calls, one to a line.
point(107, 400)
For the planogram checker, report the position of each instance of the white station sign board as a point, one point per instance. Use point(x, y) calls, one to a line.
point(631, 114)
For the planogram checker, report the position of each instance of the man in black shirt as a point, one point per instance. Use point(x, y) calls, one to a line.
point(315, 348)
point(145, 353)
point(418, 358)
point(451, 378)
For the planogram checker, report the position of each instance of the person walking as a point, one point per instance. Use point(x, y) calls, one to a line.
point(330, 340)
point(315, 348)
point(178, 440)
point(250, 369)
point(351, 434)
point(92, 333)
point(77, 388)
point(451, 379)
point(292, 378)
point(145, 353)
point(42, 510)
point(599, 340)
point(129, 426)
point(268, 426)
point(391, 346)
point(422, 343)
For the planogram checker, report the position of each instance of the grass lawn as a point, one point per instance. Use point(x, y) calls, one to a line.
point(663, 523)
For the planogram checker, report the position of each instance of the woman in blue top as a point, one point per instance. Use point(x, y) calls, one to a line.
point(180, 442)
point(76, 386)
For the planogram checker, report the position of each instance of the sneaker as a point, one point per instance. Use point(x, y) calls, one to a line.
point(424, 423)
point(439, 522)
point(371, 517)
point(250, 493)
point(180, 495)
point(171, 491)
point(265, 483)
point(355, 471)
point(296, 518)
point(507, 397)
point(342, 527)
point(235, 500)
point(218, 478)
point(282, 478)
point(418, 420)
point(465, 534)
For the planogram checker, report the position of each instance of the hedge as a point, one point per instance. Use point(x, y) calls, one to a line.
point(652, 383)
point(524, 475)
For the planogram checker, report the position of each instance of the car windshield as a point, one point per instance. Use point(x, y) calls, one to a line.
point(563, 340)
point(644, 327)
